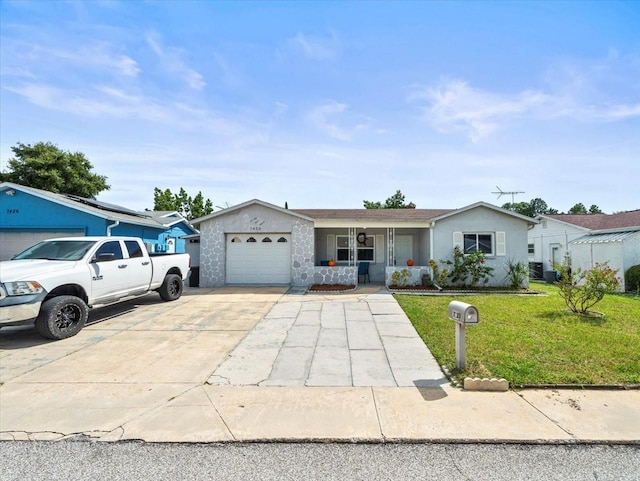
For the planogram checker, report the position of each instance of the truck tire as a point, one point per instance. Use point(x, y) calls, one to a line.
point(61, 317)
point(171, 288)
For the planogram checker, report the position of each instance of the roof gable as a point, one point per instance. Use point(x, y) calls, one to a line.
point(488, 206)
point(235, 208)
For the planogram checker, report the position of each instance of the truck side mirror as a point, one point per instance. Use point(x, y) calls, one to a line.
point(104, 257)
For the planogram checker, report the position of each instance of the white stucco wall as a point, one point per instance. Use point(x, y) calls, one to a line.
point(483, 220)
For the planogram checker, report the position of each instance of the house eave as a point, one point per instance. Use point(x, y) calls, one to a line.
point(355, 223)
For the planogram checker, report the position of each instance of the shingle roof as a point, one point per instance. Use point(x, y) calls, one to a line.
point(601, 221)
point(407, 215)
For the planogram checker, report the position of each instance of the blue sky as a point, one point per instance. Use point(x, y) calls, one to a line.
point(325, 104)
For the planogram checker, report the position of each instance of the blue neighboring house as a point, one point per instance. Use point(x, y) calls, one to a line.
point(29, 215)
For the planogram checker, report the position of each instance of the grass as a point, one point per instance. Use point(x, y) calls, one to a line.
point(535, 339)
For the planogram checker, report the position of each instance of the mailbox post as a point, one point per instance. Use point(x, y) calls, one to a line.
point(463, 314)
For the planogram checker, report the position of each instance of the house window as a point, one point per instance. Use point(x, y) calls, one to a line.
point(266, 239)
point(282, 239)
point(236, 239)
point(366, 249)
point(251, 239)
point(532, 249)
point(478, 242)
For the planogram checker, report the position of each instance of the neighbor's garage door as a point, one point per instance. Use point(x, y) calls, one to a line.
point(259, 259)
point(12, 243)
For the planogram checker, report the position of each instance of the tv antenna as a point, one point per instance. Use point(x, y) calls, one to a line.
point(512, 193)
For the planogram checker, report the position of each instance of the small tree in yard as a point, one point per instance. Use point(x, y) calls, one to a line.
point(469, 269)
point(582, 289)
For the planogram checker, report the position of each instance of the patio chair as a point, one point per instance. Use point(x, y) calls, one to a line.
point(363, 271)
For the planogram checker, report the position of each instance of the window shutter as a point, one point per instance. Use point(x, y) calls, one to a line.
point(457, 240)
point(380, 249)
point(501, 243)
point(331, 247)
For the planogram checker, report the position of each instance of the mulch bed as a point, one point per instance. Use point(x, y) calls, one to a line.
point(463, 290)
point(331, 287)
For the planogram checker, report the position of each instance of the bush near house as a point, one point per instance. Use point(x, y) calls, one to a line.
point(535, 339)
point(632, 279)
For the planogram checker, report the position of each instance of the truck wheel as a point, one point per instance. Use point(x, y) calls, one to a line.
point(62, 317)
point(171, 288)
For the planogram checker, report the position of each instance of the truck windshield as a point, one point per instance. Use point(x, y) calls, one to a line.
point(57, 250)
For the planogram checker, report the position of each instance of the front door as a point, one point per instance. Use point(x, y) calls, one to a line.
point(403, 246)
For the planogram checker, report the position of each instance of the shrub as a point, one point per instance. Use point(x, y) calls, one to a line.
point(581, 290)
point(439, 276)
point(400, 278)
point(632, 278)
point(469, 269)
point(517, 274)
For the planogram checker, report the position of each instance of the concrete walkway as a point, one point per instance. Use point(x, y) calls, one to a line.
point(250, 364)
point(339, 340)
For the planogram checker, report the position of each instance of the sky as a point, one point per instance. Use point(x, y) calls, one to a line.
point(328, 104)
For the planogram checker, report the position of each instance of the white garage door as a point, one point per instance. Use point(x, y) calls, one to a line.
point(259, 259)
point(12, 243)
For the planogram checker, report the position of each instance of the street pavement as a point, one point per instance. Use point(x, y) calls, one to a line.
point(268, 364)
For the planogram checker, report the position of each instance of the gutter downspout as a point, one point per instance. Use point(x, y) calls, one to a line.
point(112, 226)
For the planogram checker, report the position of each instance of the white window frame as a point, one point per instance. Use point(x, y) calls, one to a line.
point(359, 248)
point(477, 242)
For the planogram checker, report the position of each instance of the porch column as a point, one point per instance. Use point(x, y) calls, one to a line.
point(353, 254)
point(391, 253)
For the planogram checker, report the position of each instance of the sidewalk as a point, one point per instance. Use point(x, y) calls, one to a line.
point(275, 366)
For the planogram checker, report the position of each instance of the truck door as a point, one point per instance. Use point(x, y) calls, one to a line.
point(109, 273)
point(140, 268)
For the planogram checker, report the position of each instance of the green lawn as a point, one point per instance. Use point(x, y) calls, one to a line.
point(535, 339)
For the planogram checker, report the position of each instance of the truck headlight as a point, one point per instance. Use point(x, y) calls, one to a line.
point(22, 288)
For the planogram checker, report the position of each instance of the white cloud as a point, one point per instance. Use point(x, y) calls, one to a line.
point(456, 106)
point(315, 48)
point(172, 62)
point(97, 57)
point(106, 101)
point(334, 119)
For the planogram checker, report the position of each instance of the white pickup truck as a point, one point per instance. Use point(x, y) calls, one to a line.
point(54, 283)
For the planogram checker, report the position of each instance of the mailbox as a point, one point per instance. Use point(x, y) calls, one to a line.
point(463, 313)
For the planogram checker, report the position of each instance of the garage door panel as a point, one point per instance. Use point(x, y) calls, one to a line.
point(258, 262)
point(12, 243)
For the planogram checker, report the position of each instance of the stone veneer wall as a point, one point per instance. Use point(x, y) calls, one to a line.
point(302, 253)
point(415, 274)
point(212, 254)
point(345, 275)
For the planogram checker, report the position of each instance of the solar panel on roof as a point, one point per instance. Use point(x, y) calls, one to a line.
point(105, 206)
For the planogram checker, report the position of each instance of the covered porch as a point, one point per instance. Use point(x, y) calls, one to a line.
point(340, 249)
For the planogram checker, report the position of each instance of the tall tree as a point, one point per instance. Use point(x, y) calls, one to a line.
point(44, 166)
point(396, 201)
point(189, 207)
point(579, 208)
point(533, 208)
point(594, 209)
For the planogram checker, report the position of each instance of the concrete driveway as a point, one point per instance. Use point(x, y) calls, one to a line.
point(251, 364)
